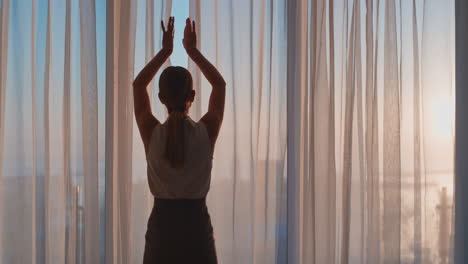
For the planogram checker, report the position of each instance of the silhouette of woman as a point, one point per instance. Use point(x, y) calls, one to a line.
point(179, 154)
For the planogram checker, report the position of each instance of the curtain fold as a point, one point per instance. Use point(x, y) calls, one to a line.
point(4, 32)
point(391, 141)
point(89, 101)
point(417, 143)
point(119, 76)
point(296, 26)
point(46, 181)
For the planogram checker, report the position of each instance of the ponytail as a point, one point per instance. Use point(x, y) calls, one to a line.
point(175, 140)
point(175, 87)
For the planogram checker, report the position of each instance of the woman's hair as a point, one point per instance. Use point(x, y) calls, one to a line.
point(175, 86)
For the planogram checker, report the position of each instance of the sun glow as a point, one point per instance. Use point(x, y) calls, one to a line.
point(442, 113)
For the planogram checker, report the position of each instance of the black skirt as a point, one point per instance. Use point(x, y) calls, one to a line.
point(179, 231)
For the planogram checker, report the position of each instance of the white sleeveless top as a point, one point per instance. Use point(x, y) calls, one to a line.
point(193, 179)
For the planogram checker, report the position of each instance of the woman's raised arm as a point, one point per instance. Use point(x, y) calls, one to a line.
point(144, 117)
point(214, 117)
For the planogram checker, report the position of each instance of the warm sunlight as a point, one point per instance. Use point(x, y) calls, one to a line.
point(442, 111)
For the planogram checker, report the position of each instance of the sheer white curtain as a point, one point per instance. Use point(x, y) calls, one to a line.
point(51, 138)
point(359, 93)
point(371, 139)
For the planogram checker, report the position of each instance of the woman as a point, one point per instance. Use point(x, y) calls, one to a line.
point(179, 155)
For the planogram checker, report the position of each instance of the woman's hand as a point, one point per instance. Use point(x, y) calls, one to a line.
point(168, 35)
point(190, 37)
